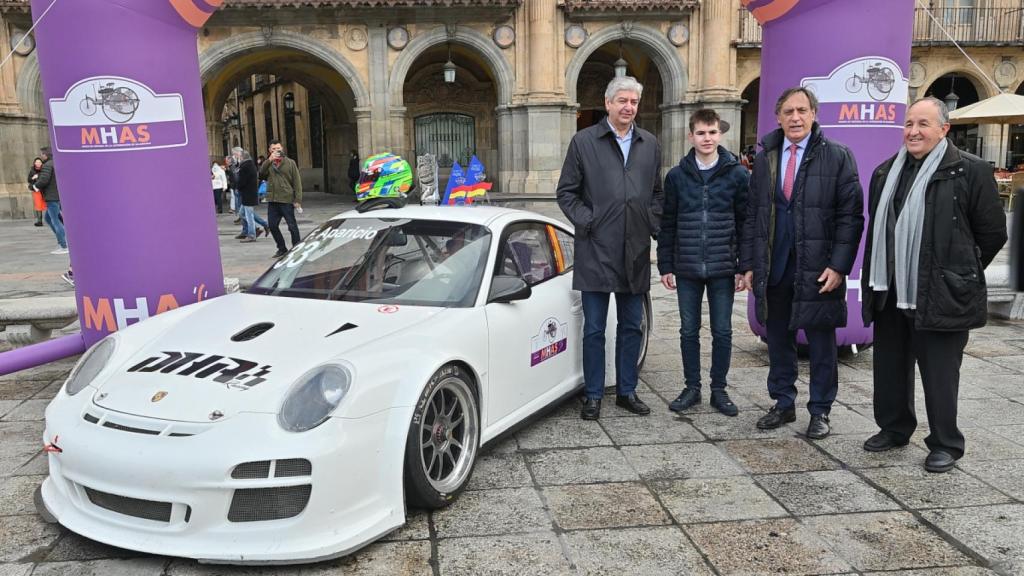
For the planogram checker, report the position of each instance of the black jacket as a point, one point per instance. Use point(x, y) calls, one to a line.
point(615, 208)
point(828, 218)
point(964, 229)
point(248, 183)
point(701, 221)
point(47, 182)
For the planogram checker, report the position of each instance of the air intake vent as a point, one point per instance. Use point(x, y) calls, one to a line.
point(293, 467)
point(146, 509)
point(260, 504)
point(250, 470)
point(342, 328)
point(252, 332)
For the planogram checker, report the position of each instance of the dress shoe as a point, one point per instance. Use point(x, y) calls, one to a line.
point(687, 398)
point(881, 442)
point(939, 461)
point(591, 409)
point(633, 403)
point(720, 401)
point(248, 239)
point(240, 236)
point(818, 427)
point(776, 417)
point(38, 224)
point(279, 253)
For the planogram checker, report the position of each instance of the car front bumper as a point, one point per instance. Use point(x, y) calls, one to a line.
point(173, 495)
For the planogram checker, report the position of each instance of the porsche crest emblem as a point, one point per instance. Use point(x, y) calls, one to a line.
point(158, 396)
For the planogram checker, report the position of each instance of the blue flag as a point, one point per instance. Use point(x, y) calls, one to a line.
point(476, 171)
point(456, 179)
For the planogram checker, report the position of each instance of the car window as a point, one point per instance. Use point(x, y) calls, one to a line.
point(565, 249)
point(384, 260)
point(526, 252)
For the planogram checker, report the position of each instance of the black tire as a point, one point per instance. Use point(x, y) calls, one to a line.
point(645, 327)
point(443, 440)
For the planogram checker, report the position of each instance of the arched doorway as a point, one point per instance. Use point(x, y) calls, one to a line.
point(598, 71)
point(453, 120)
point(748, 115)
point(291, 88)
point(962, 90)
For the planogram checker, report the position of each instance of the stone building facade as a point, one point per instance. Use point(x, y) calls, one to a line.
point(331, 76)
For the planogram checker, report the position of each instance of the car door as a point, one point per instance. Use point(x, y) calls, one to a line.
point(534, 350)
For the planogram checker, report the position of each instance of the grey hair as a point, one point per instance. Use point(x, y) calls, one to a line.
point(623, 84)
point(241, 153)
point(939, 104)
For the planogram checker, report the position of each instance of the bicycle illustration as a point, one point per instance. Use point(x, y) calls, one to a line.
point(119, 103)
point(879, 79)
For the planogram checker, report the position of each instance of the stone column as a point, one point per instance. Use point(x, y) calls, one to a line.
point(379, 130)
point(718, 63)
point(364, 128)
point(506, 149)
point(543, 47)
point(674, 118)
point(400, 144)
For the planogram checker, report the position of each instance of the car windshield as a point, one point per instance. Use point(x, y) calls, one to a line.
point(384, 260)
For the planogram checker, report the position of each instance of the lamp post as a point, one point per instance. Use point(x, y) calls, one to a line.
point(951, 99)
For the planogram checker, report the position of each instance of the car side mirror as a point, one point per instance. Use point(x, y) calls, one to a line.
point(505, 289)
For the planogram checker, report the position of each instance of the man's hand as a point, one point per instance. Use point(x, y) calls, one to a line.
point(741, 283)
point(830, 279)
point(748, 280)
point(668, 281)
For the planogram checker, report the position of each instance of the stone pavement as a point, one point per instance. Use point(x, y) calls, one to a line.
point(697, 494)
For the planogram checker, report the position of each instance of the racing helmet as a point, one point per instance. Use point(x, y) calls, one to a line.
point(384, 176)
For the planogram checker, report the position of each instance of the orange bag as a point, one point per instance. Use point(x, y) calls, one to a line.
point(38, 202)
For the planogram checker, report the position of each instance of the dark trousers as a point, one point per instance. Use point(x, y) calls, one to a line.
point(782, 360)
point(218, 199)
point(276, 211)
point(629, 311)
point(721, 292)
point(938, 355)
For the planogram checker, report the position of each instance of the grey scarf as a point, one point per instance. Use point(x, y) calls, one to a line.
point(909, 227)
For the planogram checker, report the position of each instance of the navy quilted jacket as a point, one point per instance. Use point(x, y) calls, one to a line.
point(701, 220)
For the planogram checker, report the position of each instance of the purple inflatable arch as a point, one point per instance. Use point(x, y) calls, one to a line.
point(854, 55)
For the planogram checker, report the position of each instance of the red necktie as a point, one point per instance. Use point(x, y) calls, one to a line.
point(787, 183)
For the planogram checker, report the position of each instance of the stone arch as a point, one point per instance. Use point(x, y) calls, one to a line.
point(664, 55)
point(29, 88)
point(981, 85)
point(499, 66)
point(214, 58)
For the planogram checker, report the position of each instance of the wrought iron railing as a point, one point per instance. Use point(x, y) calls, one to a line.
point(970, 26)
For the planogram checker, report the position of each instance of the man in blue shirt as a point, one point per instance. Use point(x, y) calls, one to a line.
point(800, 239)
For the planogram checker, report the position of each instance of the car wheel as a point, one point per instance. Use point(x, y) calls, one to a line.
point(443, 440)
point(645, 329)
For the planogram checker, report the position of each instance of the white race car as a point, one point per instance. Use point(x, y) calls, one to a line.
point(293, 422)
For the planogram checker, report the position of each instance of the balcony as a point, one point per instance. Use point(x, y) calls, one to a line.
point(968, 26)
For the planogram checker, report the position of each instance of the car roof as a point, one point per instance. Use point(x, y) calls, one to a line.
point(489, 216)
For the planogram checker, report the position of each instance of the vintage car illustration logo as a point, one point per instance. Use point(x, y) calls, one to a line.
point(158, 396)
point(551, 340)
point(232, 372)
point(870, 91)
point(115, 114)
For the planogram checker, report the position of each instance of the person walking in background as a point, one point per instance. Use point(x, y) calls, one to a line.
point(284, 195)
point(248, 185)
point(220, 183)
point(38, 204)
point(801, 234)
point(353, 170)
point(610, 189)
point(936, 224)
point(46, 183)
point(698, 246)
point(231, 171)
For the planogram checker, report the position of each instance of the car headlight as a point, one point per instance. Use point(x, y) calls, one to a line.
point(89, 366)
point(313, 398)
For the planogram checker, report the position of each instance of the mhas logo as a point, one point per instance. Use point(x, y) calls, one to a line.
point(233, 372)
point(862, 92)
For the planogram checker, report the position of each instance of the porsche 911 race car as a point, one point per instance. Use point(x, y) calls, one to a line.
point(291, 423)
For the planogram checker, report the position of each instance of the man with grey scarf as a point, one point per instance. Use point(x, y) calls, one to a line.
point(936, 223)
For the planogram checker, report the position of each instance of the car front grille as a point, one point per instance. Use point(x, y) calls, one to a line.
point(145, 509)
point(261, 504)
point(293, 467)
point(260, 469)
point(251, 470)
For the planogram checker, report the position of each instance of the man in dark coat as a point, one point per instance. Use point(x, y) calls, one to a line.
point(803, 226)
point(47, 184)
point(610, 189)
point(247, 180)
point(936, 223)
point(698, 248)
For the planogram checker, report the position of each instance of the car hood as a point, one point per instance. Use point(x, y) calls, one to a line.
point(220, 359)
